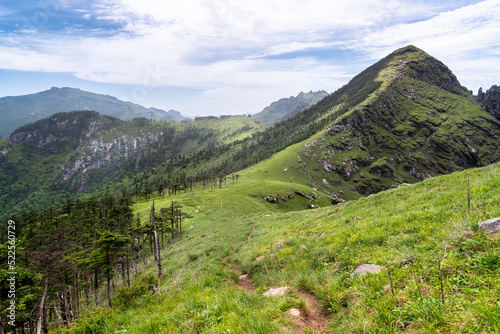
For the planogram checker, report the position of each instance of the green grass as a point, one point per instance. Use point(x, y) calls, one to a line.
point(413, 229)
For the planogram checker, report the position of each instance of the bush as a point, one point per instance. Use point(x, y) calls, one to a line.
point(128, 296)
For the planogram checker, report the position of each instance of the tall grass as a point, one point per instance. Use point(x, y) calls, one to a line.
point(424, 231)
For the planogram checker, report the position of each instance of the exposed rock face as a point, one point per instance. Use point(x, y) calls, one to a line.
point(490, 226)
point(109, 154)
point(490, 101)
point(61, 130)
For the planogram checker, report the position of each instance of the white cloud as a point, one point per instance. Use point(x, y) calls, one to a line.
point(223, 46)
point(459, 38)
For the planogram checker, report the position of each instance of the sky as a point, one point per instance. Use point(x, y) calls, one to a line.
point(219, 57)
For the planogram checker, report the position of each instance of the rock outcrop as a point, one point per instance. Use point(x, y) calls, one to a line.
point(490, 101)
point(490, 226)
point(276, 291)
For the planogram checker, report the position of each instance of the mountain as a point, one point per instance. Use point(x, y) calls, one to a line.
point(19, 110)
point(490, 100)
point(46, 162)
point(270, 223)
point(288, 107)
point(401, 120)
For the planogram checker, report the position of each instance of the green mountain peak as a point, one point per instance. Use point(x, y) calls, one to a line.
point(412, 121)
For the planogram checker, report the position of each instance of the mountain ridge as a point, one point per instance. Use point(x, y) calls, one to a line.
point(420, 122)
point(286, 108)
point(24, 109)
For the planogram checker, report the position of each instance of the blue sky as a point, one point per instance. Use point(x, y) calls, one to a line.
point(211, 57)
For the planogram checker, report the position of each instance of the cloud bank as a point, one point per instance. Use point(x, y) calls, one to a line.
point(238, 52)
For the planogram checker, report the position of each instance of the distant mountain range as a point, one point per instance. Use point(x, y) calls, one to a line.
point(16, 111)
point(288, 107)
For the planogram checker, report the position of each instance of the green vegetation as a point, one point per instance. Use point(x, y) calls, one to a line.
point(424, 232)
point(51, 160)
point(267, 208)
point(408, 109)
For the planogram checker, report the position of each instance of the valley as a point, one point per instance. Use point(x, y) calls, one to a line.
point(395, 169)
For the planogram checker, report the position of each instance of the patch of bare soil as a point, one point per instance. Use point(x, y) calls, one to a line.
point(245, 282)
point(315, 318)
point(250, 235)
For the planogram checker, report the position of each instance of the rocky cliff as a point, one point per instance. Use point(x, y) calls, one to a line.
point(490, 101)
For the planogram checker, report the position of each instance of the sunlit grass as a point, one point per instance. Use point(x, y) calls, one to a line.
point(413, 229)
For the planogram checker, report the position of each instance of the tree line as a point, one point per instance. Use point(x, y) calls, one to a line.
point(70, 258)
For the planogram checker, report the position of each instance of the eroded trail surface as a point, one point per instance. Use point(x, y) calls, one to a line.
point(313, 317)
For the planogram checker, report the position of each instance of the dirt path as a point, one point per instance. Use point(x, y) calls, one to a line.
point(245, 282)
point(315, 319)
point(250, 235)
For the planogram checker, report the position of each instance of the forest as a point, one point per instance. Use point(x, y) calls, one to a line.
point(69, 259)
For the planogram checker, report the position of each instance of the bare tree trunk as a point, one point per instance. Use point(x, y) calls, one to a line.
point(155, 234)
point(42, 302)
point(45, 320)
point(64, 311)
point(180, 224)
point(76, 295)
point(128, 271)
point(143, 251)
point(151, 245)
point(96, 288)
point(124, 274)
point(108, 277)
point(86, 289)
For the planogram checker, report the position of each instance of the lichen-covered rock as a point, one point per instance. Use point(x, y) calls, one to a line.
point(490, 226)
point(364, 269)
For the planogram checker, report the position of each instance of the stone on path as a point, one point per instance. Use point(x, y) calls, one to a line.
point(295, 312)
point(276, 291)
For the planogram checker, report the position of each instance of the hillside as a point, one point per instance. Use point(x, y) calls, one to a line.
point(443, 269)
point(46, 162)
point(20, 110)
point(239, 209)
point(415, 229)
point(401, 120)
point(288, 107)
point(419, 123)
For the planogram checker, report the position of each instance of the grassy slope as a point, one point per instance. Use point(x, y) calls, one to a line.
point(415, 125)
point(426, 223)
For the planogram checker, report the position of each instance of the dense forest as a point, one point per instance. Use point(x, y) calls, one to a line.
point(69, 259)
